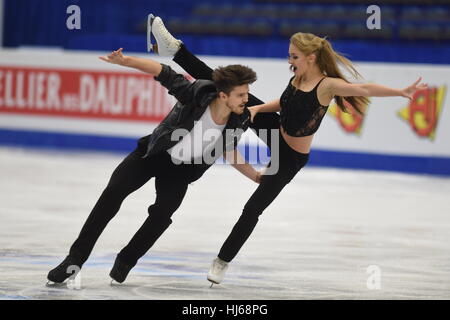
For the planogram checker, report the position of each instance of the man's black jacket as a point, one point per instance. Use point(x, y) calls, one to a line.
point(193, 99)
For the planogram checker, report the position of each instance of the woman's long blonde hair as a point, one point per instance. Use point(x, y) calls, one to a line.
point(327, 60)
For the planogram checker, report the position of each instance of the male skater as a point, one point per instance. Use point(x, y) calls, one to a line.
point(203, 107)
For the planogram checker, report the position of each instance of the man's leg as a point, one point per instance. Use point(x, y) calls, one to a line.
point(130, 175)
point(169, 195)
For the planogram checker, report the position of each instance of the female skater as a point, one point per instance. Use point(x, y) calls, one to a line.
point(316, 82)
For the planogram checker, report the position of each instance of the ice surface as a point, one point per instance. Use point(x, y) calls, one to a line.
point(315, 241)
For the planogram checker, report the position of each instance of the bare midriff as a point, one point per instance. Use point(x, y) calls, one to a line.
point(299, 144)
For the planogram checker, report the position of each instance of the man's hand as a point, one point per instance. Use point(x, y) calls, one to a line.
point(143, 64)
point(116, 57)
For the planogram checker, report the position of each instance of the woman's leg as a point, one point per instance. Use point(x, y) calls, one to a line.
point(199, 70)
point(192, 65)
point(264, 195)
point(269, 188)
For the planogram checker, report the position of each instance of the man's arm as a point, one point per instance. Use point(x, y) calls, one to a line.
point(183, 90)
point(238, 162)
point(145, 65)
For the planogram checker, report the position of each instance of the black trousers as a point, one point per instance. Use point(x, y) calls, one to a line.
point(290, 163)
point(171, 183)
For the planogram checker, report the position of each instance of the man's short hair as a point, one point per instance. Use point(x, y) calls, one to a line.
point(229, 77)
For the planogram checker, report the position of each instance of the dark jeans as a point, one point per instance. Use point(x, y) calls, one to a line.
point(290, 162)
point(171, 183)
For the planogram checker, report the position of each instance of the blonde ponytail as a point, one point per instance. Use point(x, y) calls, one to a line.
point(327, 59)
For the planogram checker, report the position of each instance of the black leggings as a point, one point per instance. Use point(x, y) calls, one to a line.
point(171, 183)
point(290, 162)
point(199, 70)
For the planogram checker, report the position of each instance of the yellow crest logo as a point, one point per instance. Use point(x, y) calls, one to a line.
point(424, 110)
point(351, 121)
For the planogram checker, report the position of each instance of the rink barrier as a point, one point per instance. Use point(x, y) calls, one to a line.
point(86, 102)
point(439, 166)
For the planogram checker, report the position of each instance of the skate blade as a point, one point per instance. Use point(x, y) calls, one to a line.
point(114, 283)
point(52, 284)
point(212, 283)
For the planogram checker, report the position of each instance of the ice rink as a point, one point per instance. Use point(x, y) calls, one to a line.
point(331, 234)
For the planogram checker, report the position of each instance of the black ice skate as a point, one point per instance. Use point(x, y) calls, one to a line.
point(120, 270)
point(70, 266)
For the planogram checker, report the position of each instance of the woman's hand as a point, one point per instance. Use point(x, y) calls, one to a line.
point(253, 111)
point(116, 57)
point(408, 92)
point(258, 177)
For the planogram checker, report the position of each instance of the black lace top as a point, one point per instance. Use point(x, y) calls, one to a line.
point(301, 112)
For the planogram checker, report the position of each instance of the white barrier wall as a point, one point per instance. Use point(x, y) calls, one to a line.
point(76, 93)
point(391, 125)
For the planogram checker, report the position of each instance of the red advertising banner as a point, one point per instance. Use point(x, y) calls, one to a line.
point(82, 93)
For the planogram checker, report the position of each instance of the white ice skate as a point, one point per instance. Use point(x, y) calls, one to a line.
point(166, 45)
point(217, 271)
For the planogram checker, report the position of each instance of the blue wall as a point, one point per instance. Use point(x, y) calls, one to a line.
point(109, 24)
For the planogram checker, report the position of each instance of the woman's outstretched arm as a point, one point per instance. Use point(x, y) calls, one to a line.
point(339, 87)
